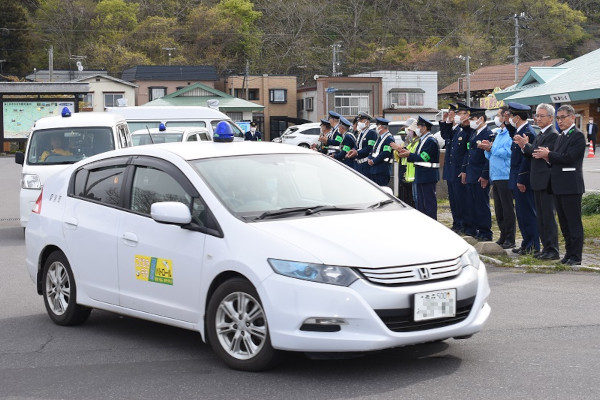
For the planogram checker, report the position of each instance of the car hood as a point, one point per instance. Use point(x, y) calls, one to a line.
point(368, 239)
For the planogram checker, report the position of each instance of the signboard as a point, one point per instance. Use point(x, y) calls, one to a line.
point(560, 98)
point(331, 90)
point(19, 116)
point(490, 102)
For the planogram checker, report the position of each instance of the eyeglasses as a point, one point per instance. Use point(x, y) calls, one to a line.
point(562, 117)
point(540, 116)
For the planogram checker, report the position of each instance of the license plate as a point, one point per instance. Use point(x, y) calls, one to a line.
point(434, 305)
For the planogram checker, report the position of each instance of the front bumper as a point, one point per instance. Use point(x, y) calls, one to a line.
point(290, 302)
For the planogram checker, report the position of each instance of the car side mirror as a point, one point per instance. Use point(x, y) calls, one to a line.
point(20, 157)
point(171, 212)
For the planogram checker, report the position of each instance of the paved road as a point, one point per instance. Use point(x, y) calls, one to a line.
point(541, 342)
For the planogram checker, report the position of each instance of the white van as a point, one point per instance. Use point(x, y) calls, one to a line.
point(55, 142)
point(148, 117)
point(168, 135)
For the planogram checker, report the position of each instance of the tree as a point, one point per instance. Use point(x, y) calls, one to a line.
point(15, 42)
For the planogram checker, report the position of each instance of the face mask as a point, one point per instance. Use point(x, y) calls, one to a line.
point(497, 121)
point(419, 132)
point(252, 130)
point(456, 119)
point(361, 125)
point(474, 124)
point(513, 123)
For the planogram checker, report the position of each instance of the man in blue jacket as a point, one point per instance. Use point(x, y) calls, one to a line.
point(348, 142)
point(498, 153)
point(475, 175)
point(520, 180)
point(365, 140)
point(427, 167)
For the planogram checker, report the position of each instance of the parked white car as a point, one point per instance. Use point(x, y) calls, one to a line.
point(303, 135)
point(168, 135)
point(259, 247)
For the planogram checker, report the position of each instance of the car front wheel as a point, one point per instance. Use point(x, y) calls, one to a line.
point(60, 292)
point(237, 327)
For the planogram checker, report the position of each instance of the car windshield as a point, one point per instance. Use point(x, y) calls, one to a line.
point(139, 139)
point(68, 145)
point(258, 187)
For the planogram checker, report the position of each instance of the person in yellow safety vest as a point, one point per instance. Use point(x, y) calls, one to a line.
point(405, 187)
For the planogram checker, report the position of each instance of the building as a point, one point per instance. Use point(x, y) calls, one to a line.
point(345, 95)
point(156, 81)
point(576, 82)
point(198, 94)
point(277, 95)
point(486, 80)
point(407, 93)
point(62, 75)
point(106, 91)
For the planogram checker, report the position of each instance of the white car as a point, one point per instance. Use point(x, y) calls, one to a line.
point(303, 135)
point(168, 135)
point(259, 247)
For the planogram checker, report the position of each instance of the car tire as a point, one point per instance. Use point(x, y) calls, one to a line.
point(60, 292)
point(237, 327)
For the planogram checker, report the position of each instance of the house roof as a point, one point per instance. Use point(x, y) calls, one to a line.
point(576, 80)
point(502, 76)
point(170, 73)
point(199, 94)
point(110, 78)
point(62, 75)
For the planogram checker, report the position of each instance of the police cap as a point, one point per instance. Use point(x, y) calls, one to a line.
point(325, 122)
point(519, 109)
point(477, 112)
point(333, 114)
point(364, 115)
point(424, 122)
point(462, 106)
point(382, 121)
point(452, 107)
point(345, 122)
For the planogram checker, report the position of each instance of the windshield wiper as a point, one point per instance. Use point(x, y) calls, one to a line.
point(306, 210)
point(381, 204)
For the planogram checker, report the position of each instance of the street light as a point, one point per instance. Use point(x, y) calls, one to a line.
point(169, 49)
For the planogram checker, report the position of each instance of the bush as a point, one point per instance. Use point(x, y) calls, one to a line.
point(590, 204)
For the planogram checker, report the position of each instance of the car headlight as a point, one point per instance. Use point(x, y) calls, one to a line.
point(30, 181)
point(471, 257)
point(333, 275)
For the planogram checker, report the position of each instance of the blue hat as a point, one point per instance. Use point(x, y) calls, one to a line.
point(452, 107)
point(462, 107)
point(364, 115)
point(325, 122)
point(519, 109)
point(382, 121)
point(333, 114)
point(223, 132)
point(477, 112)
point(345, 122)
point(425, 122)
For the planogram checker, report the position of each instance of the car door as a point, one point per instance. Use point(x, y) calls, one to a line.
point(160, 265)
point(94, 207)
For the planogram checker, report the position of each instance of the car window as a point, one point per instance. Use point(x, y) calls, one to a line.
point(192, 138)
point(204, 136)
point(68, 145)
point(312, 131)
point(101, 184)
point(179, 124)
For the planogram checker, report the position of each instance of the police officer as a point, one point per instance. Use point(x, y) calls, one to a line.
point(348, 142)
point(475, 175)
point(427, 163)
point(381, 157)
point(520, 181)
point(253, 134)
point(365, 141)
point(332, 141)
point(325, 129)
point(453, 134)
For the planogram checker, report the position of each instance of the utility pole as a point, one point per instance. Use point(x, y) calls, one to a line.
point(247, 82)
point(467, 59)
point(1, 66)
point(518, 43)
point(335, 63)
point(51, 64)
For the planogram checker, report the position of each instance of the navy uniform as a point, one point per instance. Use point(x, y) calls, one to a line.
point(478, 216)
point(253, 135)
point(365, 141)
point(427, 163)
point(320, 146)
point(382, 157)
point(456, 147)
point(334, 138)
point(348, 143)
point(520, 167)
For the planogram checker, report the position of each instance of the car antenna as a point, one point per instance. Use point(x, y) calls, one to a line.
point(149, 134)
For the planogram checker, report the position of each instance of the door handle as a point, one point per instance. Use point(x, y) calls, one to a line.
point(129, 238)
point(71, 222)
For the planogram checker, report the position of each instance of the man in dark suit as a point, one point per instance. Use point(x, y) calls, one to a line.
point(475, 174)
point(540, 181)
point(592, 132)
point(253, 134)
point(566, 180)
point(382, 156)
